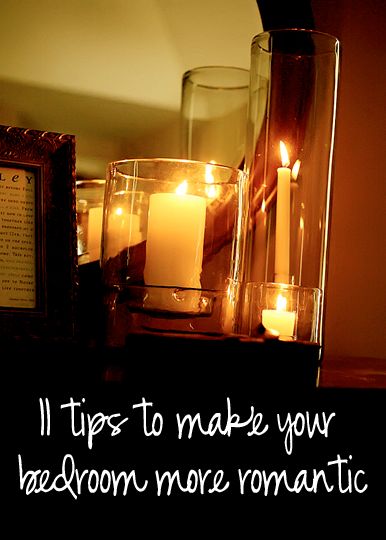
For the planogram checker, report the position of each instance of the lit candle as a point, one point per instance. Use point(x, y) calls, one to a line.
point(295, 170)
point(294, 187)
point(279, 319)
point(282, 238)
point(211, 189)
point(123, 231)
point(301, 230)
point(175, 239)
point(94, 232)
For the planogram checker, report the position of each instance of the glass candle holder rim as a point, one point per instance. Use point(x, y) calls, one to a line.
point(89, 192)
point(235, 176)
point(282, 286)
point(199, 70)
point(305, 31)
point(92, 181)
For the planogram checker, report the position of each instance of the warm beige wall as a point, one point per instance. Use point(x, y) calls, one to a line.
point(110, 71)
point(356, 297)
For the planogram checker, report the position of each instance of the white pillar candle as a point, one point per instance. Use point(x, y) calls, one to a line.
point(279, 319)
point(175, 239)
point(283, 205)
point(174, 250)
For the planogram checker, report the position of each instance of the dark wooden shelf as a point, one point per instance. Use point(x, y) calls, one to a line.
point(352, 372)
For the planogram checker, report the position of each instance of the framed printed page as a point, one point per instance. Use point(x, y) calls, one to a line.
point(38, 257)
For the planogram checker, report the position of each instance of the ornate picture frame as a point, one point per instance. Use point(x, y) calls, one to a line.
point(38, 251)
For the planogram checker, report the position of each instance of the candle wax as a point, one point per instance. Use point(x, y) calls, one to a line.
point(282, 238)
point(281, 321)
point(175, 245)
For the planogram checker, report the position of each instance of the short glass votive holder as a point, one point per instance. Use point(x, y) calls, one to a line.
point(170, 246)
point(288, 312)
point(89, 211)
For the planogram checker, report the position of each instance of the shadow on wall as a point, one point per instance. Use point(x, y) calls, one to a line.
point(105, 129)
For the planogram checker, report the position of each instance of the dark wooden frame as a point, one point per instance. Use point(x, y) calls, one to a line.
point(51, 156)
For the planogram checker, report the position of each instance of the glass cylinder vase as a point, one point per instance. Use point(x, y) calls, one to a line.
point(213, 114)
point(289, 158)
point(170, 246)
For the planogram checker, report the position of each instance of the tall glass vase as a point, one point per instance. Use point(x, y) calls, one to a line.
point(213, 112)
point(289, 159)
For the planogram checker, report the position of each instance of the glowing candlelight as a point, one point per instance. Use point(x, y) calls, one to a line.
point(94, 232)
point(175, 239)
point(280, 319)
point(123, 230)
point(295, 170)
point(211, 190)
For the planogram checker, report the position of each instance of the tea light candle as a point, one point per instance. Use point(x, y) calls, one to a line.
point(175, 239)
point(282, 238)
point(279, 319)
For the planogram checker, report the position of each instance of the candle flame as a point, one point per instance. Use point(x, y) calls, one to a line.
point(182, 188)
point(118, 211)
point(211, 190)
point(301, 223)
point(284, 154)
point(295, 169)
point(281, 303)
